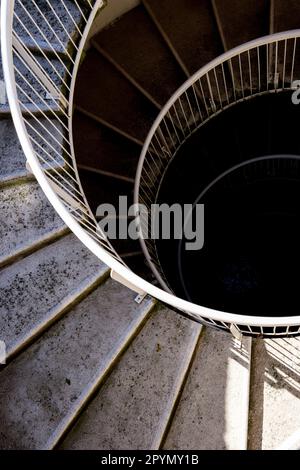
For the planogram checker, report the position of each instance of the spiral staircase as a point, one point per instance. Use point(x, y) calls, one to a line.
point(89, 365)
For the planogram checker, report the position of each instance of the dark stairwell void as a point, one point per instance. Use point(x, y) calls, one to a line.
point(127, 76)
point(244, 165)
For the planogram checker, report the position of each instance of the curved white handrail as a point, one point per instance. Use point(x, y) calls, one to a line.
point(99, 247)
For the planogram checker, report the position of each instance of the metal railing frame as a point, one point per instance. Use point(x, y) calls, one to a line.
point(67, 208)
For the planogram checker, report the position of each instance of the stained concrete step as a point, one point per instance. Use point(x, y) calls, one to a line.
point(103, 189)
point(190, 29)
point(44, 389)
point(100, 148)
point(275, 398)
point(213, 409)
point(31, 93)
point(104, 92)
point(27, 220)
point(50, 31)
point(39, 288)
point(12, 158)
point(286, 15)
point(141, 54)
point(132, 409)
point(240, 22)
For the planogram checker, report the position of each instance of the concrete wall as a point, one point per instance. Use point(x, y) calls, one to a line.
point(113, 10)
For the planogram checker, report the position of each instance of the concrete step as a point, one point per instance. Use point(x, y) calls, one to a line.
point(104, 92)
point(141, 54)
point(27, 220)
point(39, 288)
point(43, 390)
point(31, 93)
point(286, 15)
point(103, 189)
point(133, 408)
point(100, 148)
point(189, 28)
point(12, 158)
point(50, 109)
point(240, 22)
point(43, 31)
point(275, 397)
point(213, 410)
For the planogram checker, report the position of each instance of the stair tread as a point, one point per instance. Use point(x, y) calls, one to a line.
point(190, 26)
point(213, 410)
point(274, 403)
point(104, 92)
point(243, 22)
point(60, 38)
point(132, 408)
point(102, 189)
point(53, 376)
point(142, 54)
point(38, 285)
point(286, 15)
point(98, 147)
point(12, 158)
point(27, 218)
point(29, 86)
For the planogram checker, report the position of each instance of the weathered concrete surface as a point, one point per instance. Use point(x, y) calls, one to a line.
point(46, 384)
point(213, 410)
point(275, 392)
point(12, 158)
point(39, 286)
point(53, 31)
point(132, 409)
point(26, 218)
point(146, 57)
point(30, 90)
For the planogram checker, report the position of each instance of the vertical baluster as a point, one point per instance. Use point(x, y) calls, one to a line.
point(250, 73)
point(276, 79)
point(233, 79)
point(241, 76)
point(284, 64)
point(259, 69)
point(203, 97)
point(293, 60)
point(225, 83)
point(218, 88)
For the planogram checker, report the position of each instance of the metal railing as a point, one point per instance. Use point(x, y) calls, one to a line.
point(266, 65)
point(41, 53)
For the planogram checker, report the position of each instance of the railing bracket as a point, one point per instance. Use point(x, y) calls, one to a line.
point(140, 297)
point(236, 333)
point(121, 280)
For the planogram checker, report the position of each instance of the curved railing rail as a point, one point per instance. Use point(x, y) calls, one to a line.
point(266, 65)
point(40, 88)
point(41, 56)
point(269, 64)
